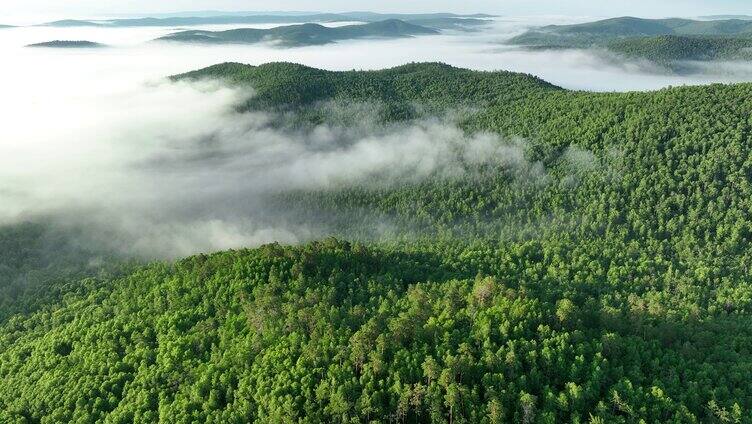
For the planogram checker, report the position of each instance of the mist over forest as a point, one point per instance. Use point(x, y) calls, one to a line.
point(127, 136)
point(363, 217)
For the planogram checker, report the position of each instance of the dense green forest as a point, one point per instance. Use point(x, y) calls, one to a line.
point(304, 34)
point(666, 42)
point(667, 49)
point(604, 279)
point(41, 260)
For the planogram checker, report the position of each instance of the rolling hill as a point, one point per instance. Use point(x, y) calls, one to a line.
point(437, 18)
point(68, 44)
point(450, 23)
point(64, 23)
point(605, 278)
point(213, 13)
point(303, 35)
point(214, 20)
point(600, 32)
point(723, 17)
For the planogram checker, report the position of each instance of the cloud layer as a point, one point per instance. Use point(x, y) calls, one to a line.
point(169, 169)
point(99, 138)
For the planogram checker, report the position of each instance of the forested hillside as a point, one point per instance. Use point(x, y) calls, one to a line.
point(599, 273)
point(599, 32)
point(666, 42)
point(668, 49)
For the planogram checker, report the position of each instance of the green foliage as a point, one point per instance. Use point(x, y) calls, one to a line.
point(42, 261)
point(338, 332)
point(606, 279)
point(433, 85)
point(668, 49)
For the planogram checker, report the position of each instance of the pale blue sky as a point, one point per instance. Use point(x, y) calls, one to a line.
point(648, 8)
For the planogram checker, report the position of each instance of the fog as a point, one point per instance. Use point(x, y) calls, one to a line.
point(169, 169)
point(100, 138)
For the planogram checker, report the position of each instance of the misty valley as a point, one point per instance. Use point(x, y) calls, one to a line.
point(365, 217)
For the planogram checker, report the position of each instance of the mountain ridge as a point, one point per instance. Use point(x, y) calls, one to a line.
point(599, 32)
point(262, 19)
point(303, 35)
point(68, 44)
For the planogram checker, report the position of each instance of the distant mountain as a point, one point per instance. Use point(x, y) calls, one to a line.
point(72, 23)
point(438, 19)
point(303, 35)
point(68, 44)
point(6, 26)
point(600, 32)
point(214, 20)
point(459, 24)
point(372, 17)
point(670, 43)
point(722, 17)
point(212, 13)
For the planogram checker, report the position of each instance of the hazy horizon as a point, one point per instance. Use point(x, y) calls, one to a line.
point(23, 12)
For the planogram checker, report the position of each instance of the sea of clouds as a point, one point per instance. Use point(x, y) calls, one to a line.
point(100, 138)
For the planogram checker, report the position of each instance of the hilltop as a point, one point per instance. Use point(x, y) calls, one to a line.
point(293, 85)
point(303, 35)
point(67, 44)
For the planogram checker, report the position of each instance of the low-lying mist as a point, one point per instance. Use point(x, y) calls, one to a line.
point(100, 140)
point(169, 169)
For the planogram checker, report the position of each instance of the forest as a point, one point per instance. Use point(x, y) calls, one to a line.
point(589, 33)
point(603, 276)
point(669, 49)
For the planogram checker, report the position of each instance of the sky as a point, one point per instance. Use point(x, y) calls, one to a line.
point(16, 10)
